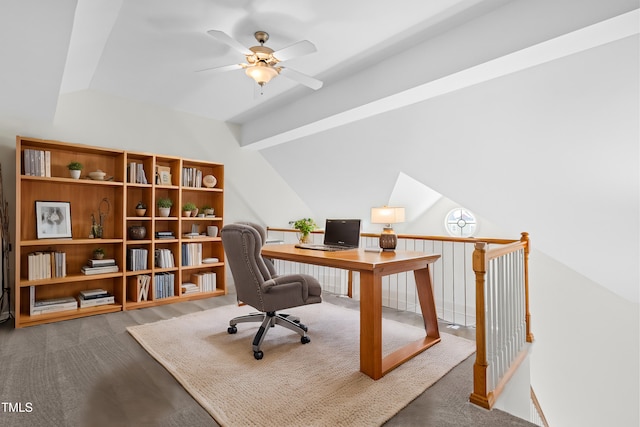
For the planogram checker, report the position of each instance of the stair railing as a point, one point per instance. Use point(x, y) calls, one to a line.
point(502, 316)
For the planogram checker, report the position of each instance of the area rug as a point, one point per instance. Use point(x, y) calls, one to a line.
point(315, 384)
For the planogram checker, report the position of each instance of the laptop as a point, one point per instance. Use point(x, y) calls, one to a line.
point(339, 234)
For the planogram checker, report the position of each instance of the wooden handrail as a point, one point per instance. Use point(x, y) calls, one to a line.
point(417, 237)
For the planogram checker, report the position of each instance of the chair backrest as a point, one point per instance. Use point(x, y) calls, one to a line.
point(242, 245)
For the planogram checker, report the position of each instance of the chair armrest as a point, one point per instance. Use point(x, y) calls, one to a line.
point(295, 280)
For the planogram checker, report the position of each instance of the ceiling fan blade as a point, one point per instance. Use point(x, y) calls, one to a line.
point(300, 48)
point(225, 38)
point(223, 68)
point(309, 81)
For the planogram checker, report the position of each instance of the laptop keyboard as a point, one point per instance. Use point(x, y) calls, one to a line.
point(322, 247)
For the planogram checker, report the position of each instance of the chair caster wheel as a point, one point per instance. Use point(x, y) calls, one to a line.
point(305, 340)
point(258, 355)
point(232, 329)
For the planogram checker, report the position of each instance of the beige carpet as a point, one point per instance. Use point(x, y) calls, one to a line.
point(316, 384)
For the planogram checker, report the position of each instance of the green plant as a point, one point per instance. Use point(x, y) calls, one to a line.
point(189, 206)
point(164, 202)
point(205, 207)
point(75, 166)
point(305, 226)
point(141, 205)
point(98, 251)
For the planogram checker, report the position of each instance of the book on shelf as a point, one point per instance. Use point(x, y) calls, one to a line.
point(164, 258)
point(50, 305)
point(190, 288)
point(46, 264)
point(164, 285)
point(36, 162)
point(101, 262)
point(165, 235)
point(93, 302)
point(99, 270)
point(137, 259)
point(191, 253)
point(206, 282)
point(93, 293)
point(136, 174)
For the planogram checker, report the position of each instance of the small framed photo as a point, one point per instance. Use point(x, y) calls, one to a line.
point(53, 219)
point(164, 173)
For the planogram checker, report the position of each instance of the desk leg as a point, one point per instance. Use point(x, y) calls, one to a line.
point(371, 324)
point(427, 301)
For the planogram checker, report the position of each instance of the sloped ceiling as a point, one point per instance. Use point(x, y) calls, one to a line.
point(525, 112)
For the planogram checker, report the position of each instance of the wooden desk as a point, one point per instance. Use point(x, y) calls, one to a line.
point(372, 267)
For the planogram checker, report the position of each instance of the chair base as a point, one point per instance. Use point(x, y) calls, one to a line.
point(269, 320)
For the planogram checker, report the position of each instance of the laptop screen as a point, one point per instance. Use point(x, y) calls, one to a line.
point(342, 232)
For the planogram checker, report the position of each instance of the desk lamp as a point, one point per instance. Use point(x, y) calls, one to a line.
point(387, 215)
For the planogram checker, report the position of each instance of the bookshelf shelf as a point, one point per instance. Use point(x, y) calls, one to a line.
point(132, 177)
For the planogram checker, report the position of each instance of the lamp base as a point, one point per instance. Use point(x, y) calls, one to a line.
point(388, 240)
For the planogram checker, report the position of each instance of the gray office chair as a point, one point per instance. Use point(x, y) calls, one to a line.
point(258, 285)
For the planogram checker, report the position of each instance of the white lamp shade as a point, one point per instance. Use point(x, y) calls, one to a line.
point(387, 215)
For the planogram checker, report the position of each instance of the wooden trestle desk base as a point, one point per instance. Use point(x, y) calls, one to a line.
point(372, 267)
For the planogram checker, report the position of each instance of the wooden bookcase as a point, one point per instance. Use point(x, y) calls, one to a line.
point(86, 199)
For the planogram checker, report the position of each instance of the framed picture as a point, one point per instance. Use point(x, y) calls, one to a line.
point(53, 219)
point(164, 173)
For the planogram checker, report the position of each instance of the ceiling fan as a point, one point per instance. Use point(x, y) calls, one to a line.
point(263, 63)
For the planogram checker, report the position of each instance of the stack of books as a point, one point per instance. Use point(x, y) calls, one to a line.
point(165, 235)
point(205, 282)
point(136, 259)
point(191, 254)
point(45, 265)
point(51, 305)
point(164, 285)
point(36, 162)
point(164, 258)
point(95, 297)
point(100, 266)
point(135, 173)
point(190, 288)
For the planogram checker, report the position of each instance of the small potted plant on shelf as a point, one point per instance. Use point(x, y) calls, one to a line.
point(164, 206)
point(98, 253)
point(187, 208)
point(207, 210)
point(141, 208)
point(75, 168)
point(304, 226)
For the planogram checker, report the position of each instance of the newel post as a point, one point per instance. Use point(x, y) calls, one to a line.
point(480, 395)
point(525, 239)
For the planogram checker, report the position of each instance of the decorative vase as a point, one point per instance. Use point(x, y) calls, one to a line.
point(305, 238)
point(75, 174)
point(164, 211)
point(194, 212)
point(137, 232)
point(98, 255)
point(141, 212)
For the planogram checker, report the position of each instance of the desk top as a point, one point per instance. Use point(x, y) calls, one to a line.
point(353, 259)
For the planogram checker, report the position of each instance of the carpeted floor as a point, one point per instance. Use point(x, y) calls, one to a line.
point(220, 372)
point(91, 372)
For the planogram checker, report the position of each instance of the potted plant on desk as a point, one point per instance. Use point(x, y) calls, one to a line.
point(304, 226)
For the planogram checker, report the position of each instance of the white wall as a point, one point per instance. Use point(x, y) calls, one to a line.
point(253, 190)
point(585, 360)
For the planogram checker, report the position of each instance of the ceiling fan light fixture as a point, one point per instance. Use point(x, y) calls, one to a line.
point(261, 72)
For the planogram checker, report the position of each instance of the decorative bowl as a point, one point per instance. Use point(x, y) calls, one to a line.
point(97, 175)
point(209, 181)
point(137, 232)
